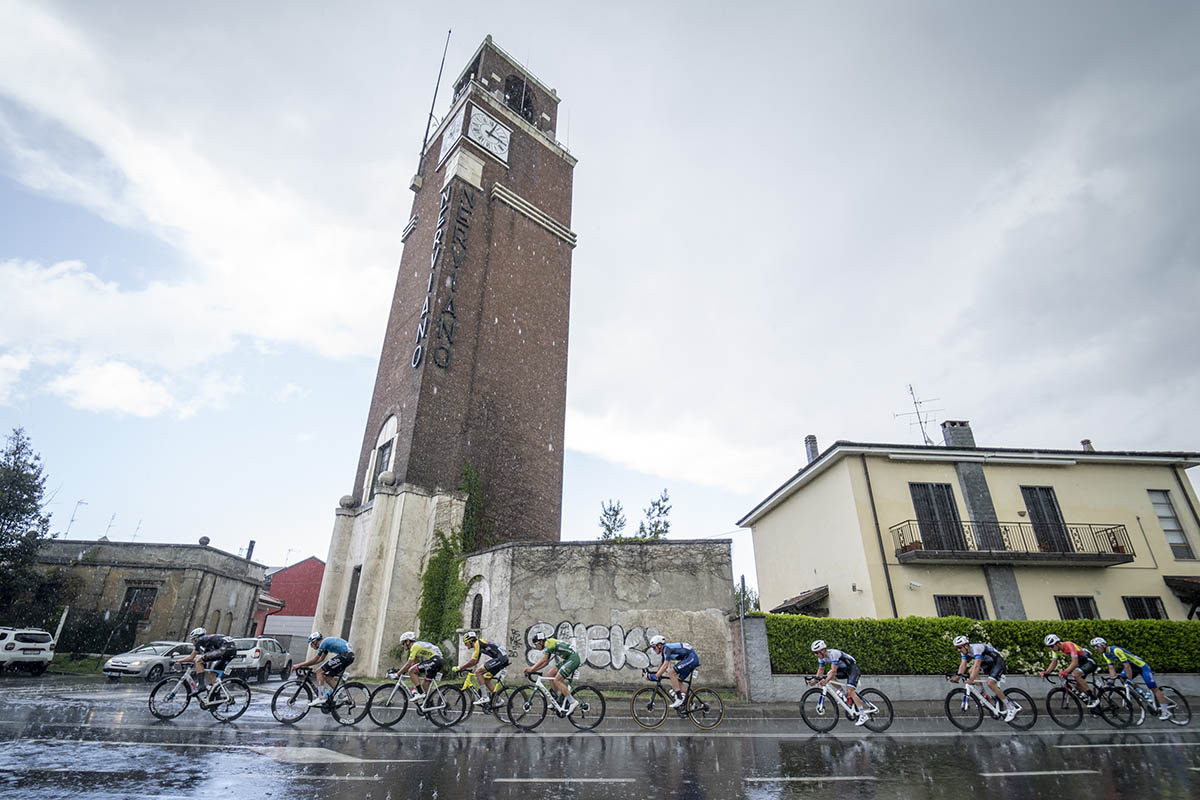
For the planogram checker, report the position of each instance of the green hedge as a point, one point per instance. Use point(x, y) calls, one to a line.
point(922, 645)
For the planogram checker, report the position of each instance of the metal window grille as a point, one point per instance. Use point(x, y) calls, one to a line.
point(1076, 608)
point(960, 605)
point(1144, 607)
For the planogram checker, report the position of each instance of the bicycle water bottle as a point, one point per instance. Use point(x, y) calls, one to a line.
point(1146, 694)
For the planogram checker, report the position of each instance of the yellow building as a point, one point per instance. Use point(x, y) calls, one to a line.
point(884, 530)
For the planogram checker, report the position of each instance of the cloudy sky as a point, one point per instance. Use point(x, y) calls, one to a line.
point(787, 212)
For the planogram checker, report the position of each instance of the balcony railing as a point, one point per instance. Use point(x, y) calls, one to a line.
point(1082, 544)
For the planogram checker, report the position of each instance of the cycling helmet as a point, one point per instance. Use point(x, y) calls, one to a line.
point(818, 645)
point(196, 634)
point(1051, 640)
point(538, 637)
point(408, 636)
point(469, 636)
point(315, 637)
point(657, 640)
point(1099, 643)
point(960, 641)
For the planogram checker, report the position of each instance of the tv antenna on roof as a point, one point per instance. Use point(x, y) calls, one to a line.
point(924, 416)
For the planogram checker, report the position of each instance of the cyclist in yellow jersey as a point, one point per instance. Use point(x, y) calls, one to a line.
point(424, 662)
point(567, 662)
point(1114, 655)
point(497, 660)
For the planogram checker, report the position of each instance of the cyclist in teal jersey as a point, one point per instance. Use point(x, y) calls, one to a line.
point(567, 661)
point(1113, 655)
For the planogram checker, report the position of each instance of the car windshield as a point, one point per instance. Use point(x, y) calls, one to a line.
point(153, 648)
point(246, 644)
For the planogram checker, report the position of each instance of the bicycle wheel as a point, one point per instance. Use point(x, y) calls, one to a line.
point(1181, 712)
point(234, 699)
point(649, 707)
point(499, 705)
point(880, 719)
point(1027, 712)
point(963, 710)
point(818, 711)
point(705, 708)
point(527, 707)
point(351, 702)
point(387, 705)
point(169, 698)
point(590, 711)
point(446, 706)
point(290, 702)
point(1064, 708)
point(1115, 708)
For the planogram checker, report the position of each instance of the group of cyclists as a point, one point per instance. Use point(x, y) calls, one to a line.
point(982, 659)
point(212, 653)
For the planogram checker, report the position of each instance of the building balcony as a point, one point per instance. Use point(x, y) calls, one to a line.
point(1030, 543)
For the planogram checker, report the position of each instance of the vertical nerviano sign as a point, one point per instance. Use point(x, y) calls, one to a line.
point(447, 321)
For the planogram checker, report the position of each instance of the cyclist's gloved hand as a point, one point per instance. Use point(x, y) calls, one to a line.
point(650, 676)
point(1064, 673)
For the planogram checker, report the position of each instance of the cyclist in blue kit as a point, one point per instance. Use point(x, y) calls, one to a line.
point(326, 674)
point(685, 658)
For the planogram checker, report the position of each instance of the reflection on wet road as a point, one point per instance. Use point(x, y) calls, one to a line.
point(71, 738)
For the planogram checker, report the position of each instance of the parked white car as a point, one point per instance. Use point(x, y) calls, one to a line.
point(260, 657)
point(28, 649)
point(149, 661)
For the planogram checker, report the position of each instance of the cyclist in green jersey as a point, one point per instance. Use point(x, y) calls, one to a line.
point(567, 661)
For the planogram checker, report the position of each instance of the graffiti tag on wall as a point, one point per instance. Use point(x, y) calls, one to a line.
point(599, 646)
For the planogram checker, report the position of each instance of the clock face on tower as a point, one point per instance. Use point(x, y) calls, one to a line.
point(452, 135)
point(489, 134)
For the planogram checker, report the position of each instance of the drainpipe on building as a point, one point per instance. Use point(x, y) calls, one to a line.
point(263, 632)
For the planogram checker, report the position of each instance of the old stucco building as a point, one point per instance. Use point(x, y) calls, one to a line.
point(886, 530)
point(169, 588)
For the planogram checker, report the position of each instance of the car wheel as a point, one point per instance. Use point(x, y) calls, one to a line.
point(263, 673)
point(286, 672)
point(37, 669)
point(113, 678)
point(154, 674)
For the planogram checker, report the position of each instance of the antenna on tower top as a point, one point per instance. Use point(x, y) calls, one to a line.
point(923, 416)
point(433, 105)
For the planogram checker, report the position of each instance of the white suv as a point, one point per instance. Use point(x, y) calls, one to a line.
point(260, 657)
point(30, 649)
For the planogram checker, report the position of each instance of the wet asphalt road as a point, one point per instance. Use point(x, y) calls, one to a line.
point(70, 737)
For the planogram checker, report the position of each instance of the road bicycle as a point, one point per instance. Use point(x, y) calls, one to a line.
point(821, 715)
point(527, 705)
point(965, 705)
point(443, 705)
point(497, 704)
point(227, 699)
point(1065, 704)
point(1139, 700)
point(650, 704)
point(292, 701)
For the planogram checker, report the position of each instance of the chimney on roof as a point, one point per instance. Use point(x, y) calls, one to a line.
point(250, 551)
point(1087, 445)
point(810, 447)
point(957, 433)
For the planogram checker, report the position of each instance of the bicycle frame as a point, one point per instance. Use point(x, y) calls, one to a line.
point(540, 682)
point(839, 694)
point(972, 687)
point(664, 682)
point(405, 682)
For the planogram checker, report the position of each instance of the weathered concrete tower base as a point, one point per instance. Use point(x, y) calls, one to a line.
point(372, 586)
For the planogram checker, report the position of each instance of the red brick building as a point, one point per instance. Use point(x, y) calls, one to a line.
point(297, 587)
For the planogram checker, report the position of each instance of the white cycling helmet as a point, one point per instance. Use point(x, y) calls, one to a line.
point(657, 640)
point(196, 634)
point(818, 645)
point(959, 641)
point(1051, 640)
point(538, 637)
point(469, 636)
point(315, 637)
point(1099, 643)
point(408, 636)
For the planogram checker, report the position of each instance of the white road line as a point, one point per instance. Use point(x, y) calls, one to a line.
point(1127, 744)
point(563, 780)
point(814, 779)
point(292, 755)
point(1039, 772)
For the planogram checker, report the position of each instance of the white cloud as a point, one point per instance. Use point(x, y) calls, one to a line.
point(11, 367)
point(112, 387)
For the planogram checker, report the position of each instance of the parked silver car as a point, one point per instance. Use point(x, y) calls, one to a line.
point(149, 661)
point(260, 657)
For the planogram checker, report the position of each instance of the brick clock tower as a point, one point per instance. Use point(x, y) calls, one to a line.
point(474, 361)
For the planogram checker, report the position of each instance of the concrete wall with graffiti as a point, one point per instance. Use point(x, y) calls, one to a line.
point(608, 599)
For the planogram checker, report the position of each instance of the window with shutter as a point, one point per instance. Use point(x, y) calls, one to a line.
point(1145, 607)
point(1168, 520)
point(1083, 607)
point(960, 605)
